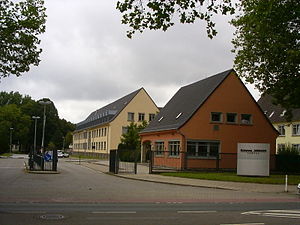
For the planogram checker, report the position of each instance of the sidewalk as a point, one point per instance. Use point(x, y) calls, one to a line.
point(143, 175)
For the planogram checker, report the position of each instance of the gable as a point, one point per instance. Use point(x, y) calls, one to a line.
point(184, 103)
point(231, 96)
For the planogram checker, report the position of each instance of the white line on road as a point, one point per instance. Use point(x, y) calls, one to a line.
point(195, 212)
point(243, 224)
point(114, 212)
point(293, 214)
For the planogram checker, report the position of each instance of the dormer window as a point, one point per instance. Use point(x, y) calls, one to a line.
point(283, 113)
point(178, 115)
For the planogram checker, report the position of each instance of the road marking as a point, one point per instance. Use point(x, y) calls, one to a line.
point(114, 212)
point(293, 214)
point(243, 224)
point(195, 212)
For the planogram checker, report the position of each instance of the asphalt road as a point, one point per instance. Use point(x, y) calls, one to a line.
point(79, 195)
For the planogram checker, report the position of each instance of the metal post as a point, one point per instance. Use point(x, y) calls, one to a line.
point(34, 141)
point(44, 103)
point(10, 140)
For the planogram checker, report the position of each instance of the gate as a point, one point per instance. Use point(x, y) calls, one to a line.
point(121, 161)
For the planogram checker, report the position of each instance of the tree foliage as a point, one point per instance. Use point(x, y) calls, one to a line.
point(140, 15)
point(267, 47)
point(21, 23)
point(16, 112)
point(131, 139)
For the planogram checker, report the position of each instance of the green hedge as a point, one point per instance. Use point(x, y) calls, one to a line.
point(288, 163)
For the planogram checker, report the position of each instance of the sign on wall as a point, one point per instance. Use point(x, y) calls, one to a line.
point(253, 159)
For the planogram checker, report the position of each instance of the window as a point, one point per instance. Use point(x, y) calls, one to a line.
point(141, 116)
point(246, 119)
point(280, 147)
point(159, 148)
point(151, 116)
point(174, 147)
point(203, 149)
point(296, 147)
point(231, 117)
point(296, 129)
point(130, 116)
point(216, 117)
point(124, 130)
point(281, 130)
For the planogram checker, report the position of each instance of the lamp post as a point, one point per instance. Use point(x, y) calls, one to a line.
point(34, 141)
point(44, 103)
point(63, 147)
point(10, 140)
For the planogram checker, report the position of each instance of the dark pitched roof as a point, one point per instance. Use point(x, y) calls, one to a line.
point(107, 113)
point(185, 103)
point(275, 113)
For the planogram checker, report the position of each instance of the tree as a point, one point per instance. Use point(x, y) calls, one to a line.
point(16, 111)
point(12, 117)
point(21, 23)
point(161, 15)
point(267, 47)
point(131, 139)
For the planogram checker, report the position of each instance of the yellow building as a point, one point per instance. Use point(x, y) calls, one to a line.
point(103, 128)
point(289, 132)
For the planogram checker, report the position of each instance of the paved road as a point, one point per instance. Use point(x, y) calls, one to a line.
point(80, 195)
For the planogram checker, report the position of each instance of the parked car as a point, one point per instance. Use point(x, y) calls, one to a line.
point(61, 154)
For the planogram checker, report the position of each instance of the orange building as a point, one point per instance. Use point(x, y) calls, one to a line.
point(202, 125)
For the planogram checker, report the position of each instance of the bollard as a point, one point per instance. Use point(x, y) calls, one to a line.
point(286, 183)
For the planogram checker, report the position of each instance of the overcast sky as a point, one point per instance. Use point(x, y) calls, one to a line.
point(88, 62)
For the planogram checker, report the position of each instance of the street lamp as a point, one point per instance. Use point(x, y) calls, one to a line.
point(34, 141)
point(44, 103)
point(11, 130)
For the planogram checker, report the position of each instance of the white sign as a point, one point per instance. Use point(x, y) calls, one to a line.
point(253, 159)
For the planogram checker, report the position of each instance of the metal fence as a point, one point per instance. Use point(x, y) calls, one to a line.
point(122, 161)
point(43, 162)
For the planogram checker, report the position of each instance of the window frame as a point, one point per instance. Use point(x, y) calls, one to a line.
point(235, 118)
point(151, 116)
point(208, 144)
point(141, 117)
point(296, 129)
point(250, 120)
point(159, 148)
point(174, 148)
point(281, 130)
point(220, 114)
point(130, 116)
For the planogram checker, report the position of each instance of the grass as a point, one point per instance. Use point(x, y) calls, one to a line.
point(227, 176)
point(6, 154)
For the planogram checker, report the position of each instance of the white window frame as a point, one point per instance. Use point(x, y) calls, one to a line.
point(296, 129)
point(281, 130)
point(130, 116)
point(212, 114)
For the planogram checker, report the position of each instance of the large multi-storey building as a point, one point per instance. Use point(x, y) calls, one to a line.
point(289, 131)
point(103, 128)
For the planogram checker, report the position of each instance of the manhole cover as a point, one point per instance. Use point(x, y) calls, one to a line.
point(52, 217)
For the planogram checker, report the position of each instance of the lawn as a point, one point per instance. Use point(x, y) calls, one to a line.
point(227, 176)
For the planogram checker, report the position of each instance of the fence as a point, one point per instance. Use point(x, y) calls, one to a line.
point(123, 161)
point(45, 162)
point(180, 161)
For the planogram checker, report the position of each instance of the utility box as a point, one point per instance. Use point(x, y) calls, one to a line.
point(253, 159)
